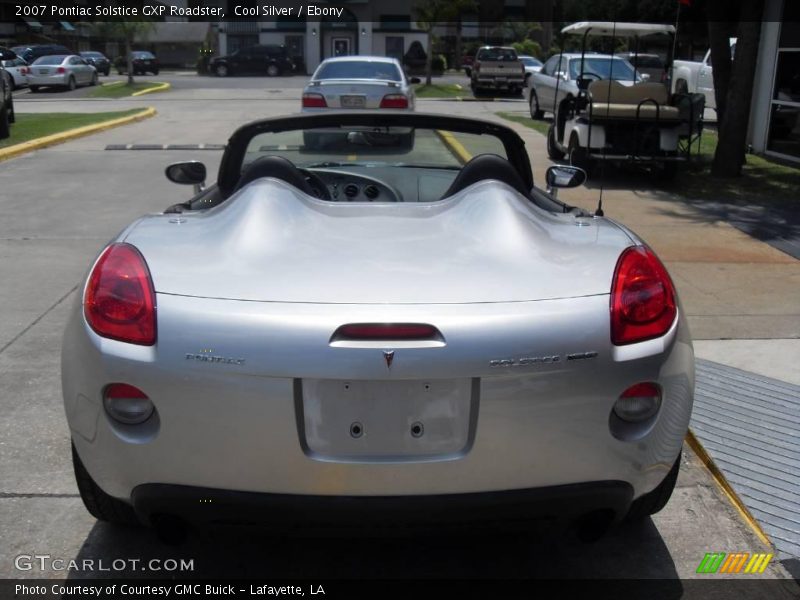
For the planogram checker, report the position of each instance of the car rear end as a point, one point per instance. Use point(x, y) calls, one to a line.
point(49, 71)
point(481, 409)
point(358, 83)
point(497, 68)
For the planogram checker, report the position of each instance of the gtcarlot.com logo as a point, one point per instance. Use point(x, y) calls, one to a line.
point(736, 562)
point(46, 562)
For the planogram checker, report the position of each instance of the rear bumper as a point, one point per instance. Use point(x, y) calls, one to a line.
point(59, 79)
point(564, 503)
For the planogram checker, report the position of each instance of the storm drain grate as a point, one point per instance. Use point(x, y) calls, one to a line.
point(165, 147)
point(750, 425)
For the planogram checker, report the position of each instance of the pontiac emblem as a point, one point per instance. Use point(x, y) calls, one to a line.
point(388, 356)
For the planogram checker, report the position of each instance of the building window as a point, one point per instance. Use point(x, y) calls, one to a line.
point(237, 42)
point(784, 119)
point(395, 46)
point(396, 22)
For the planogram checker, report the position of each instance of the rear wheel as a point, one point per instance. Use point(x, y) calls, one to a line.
point(155, 72)
point(311, 140)
point(71, 85)
point(94, 79)
point(536, 111)
point(99, 504)
point(273, 71)
point(668, 171)
point(578, 156)
point(553, 151)
point(34, 89)
point(221, 70)
point(654, 501)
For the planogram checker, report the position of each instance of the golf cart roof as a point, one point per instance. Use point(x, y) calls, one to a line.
point(609, 28)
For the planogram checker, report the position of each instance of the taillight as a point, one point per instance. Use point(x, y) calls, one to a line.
point(386, 331)
point(394, 101)
point(120, 302)
point(642, 298)
point(127, 404)
point(639, 402)
point(314, 101)
point(24, 70)
point(61, 70)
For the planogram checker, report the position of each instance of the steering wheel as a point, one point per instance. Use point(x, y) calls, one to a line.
point(318, 186)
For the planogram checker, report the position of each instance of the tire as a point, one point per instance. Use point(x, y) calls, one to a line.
point(537, 114)
point(94, 79)
point(654, 501)
point(34, 89)
point(99, 504)
point(5, 128)
point(71, 85)
point(273, 71)
point(221, 70)
point(107, 72)
point(12, 115)
point(578, 157)
point(156, 72)
point(407, 140)
point(553, 151)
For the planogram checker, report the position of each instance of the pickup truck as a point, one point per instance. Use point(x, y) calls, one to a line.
point(497, 67)
point(690, 77)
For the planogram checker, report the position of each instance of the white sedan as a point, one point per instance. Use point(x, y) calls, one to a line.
point(361, 82)
point(18, 70)
point(61, 70)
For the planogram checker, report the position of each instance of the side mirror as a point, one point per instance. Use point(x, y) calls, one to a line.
point(6, 54)
point(187, 173)
point(563, 176)
point(414, 80)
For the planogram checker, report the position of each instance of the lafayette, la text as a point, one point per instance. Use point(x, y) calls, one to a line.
point(178, 589)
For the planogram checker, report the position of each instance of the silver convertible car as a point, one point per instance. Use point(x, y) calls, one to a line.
point(376, 334)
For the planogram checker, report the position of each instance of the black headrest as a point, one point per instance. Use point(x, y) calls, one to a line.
point(277, 167)
point(483, 167)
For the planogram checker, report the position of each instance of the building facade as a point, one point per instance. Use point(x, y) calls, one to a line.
point(775, 114)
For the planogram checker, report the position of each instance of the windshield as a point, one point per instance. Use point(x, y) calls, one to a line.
point(143, 55)
point(92, 55)
point(497, 54)
point(353, 69)
point(604, 68)
point(50, 60)
point(402, 155)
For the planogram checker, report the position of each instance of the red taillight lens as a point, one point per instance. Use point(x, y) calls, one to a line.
point(61, 70)
point(394, 101)
point(642, 298)
point(24, 70)
point(120, 302)
point(386, 331)
point(118, 391)
point(642, 390)
point(314, 101)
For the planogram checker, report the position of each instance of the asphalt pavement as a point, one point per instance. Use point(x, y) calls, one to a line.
point(60, 205)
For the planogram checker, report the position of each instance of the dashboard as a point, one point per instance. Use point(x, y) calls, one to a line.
point(382, 184)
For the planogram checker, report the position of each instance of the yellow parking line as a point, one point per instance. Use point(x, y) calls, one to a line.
point(456, 147)
point(727, 489)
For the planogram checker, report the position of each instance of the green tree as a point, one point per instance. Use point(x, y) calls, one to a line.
point(430, 13)
point(128, 31)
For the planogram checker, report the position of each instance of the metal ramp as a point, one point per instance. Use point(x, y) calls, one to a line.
point(750, 425)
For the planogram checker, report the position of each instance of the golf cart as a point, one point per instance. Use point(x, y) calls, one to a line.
point(632, 120)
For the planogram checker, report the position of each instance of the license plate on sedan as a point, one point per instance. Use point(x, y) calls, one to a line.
point(44, 71)
point(353, 101)
point(382, 420)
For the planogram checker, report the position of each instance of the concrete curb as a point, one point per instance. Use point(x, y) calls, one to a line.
point(730, 493)
point(65, 136)
point(156, 88)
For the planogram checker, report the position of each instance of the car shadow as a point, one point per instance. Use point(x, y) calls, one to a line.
point(250, 553)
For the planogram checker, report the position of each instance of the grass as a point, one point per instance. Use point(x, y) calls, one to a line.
point(120, 89)
point(540, 126)
point(35, 125)
point(439, 90)
point(763, 181)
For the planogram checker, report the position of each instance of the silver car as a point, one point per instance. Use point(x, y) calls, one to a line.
point(532, 65)
point(563, 75)
point(376, 335)
point(359, 82)
point(18, 70)
point(61, 70)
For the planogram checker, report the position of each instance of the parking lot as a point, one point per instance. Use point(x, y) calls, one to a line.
point(60, 205)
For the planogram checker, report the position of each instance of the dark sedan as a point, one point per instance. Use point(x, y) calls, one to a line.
point(143, 62)
point(98, 60)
